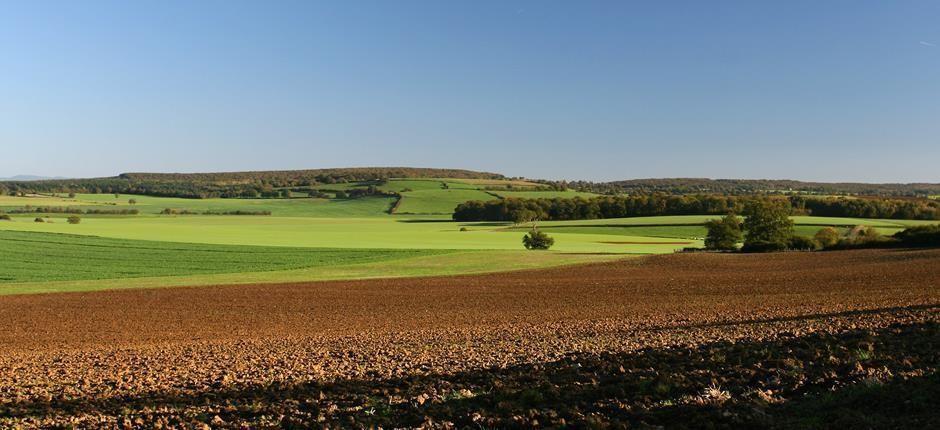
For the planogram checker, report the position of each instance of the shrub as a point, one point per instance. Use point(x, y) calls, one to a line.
point(38, 219)
point(723, 234)
point(764, 246)
point(132, 201)
point(827, 237)
point(5, 217)
point(463, 229)
point(537, 240)
point(74, 219)
point(71, 195)
point(802, 243)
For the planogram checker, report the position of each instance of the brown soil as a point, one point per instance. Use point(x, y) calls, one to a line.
point(465, 350)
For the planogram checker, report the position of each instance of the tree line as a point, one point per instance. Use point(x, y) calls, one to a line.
point(745, 187)
point(767, 227)
point(69, 210)
point(622, 206)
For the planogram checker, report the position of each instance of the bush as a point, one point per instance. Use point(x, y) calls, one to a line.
point(827, 237)
point(723, 234)
point(802, 243)
point(764, 246)
point(5, 217)
point(922, 235)
point(537, 240)
point(74, 219)
point(463, 229)
point(132, 201)
point(38, 219)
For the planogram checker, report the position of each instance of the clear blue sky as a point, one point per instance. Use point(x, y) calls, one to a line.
point(814, 90)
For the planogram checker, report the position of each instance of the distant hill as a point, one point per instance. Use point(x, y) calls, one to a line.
point(30, 178)
point(265, 183)
point(752, 186)
point(232, 184)
point(349, 174)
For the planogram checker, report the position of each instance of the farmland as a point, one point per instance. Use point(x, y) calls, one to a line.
point(377, 309)
point(315, 239)
point(749, 340)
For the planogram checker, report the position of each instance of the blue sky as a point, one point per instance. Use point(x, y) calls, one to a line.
point(813, 90)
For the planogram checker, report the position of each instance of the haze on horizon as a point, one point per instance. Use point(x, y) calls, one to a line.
point(832, 91)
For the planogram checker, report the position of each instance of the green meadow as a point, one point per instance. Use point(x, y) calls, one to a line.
point(316, 239)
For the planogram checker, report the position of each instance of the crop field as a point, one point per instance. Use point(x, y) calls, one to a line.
point(27, 256)
point(322, 239)
point(148, 205)
point(781, 341)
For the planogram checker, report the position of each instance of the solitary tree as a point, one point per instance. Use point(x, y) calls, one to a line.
point(723, 234)
point(74, 219)
point(768, 226)
point(537, 240)
point(132, 201)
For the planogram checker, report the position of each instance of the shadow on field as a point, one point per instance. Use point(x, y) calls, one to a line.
point(809, 317)
point(855, 379)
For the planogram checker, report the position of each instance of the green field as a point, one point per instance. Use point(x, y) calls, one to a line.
point(314, 239)
point(48, 262)
point(147, 205)
point(438, 201)
point(54, 257)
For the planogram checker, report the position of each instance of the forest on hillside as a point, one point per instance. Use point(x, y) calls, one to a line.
point(230, 184)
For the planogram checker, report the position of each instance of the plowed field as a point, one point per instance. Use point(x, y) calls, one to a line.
point(670, 340)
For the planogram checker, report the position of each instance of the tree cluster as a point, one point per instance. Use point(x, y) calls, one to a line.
point(622, 206)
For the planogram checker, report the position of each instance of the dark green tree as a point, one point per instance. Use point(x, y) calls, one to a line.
point(768, 225)
point(723, 234)
point(537, 240)
point(74, 219)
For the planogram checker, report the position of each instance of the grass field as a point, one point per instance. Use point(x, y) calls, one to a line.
point(438, 201)
point(373, 232)
point(55, 257)
point(147, 205)
point(315, 239)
